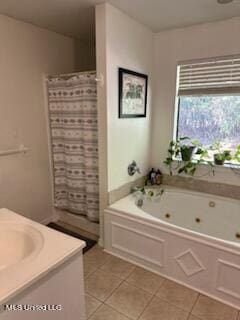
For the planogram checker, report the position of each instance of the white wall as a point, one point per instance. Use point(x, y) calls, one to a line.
point(85, 56)
point(201, 41)
point(120, 42)
point(129, 45)
point(26, 53)
point(101, 63)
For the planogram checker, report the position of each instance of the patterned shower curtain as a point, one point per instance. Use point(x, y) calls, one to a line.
point(73, 124)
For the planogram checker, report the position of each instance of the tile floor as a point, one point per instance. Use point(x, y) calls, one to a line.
point(118, 290)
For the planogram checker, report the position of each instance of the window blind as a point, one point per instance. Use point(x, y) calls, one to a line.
point(216, 76)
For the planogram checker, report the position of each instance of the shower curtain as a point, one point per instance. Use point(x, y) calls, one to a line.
point(74, 135)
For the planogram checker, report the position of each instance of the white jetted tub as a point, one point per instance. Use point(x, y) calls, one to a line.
point(192, 238)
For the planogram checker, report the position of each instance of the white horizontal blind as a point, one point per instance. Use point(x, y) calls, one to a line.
point(216, 76)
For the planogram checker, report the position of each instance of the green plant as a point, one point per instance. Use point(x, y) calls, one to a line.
point(237, 154)
point(181, 151)
point(236, 161)
point(174, 150)
point(221, 155)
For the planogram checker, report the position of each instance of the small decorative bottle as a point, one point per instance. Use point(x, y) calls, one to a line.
point(158, 177)
point(152, 177)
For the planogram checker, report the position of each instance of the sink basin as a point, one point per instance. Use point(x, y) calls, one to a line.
point(18, 243)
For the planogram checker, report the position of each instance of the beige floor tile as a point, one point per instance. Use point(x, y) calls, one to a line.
point(162, 310)
point(144, 279)
point(209, 309)
point(129, 300)
point(178, 295)
point(91, 305)
point(88, 268)
point(96, 256)
point(107, 313)
point(101, 284)
point(118, 267)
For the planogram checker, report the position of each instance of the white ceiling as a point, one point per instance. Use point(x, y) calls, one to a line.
point(75, 18)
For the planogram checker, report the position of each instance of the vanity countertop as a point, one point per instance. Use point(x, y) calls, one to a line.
point(28, 251)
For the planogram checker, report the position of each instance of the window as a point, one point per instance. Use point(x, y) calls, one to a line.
point(210, 119)
point(208, 101)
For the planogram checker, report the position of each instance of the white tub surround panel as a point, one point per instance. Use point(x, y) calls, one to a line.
point(199, 259)
point(39, 266)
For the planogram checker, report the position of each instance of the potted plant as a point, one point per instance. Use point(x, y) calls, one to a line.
point(236, 156)
point(187, 152)
point(220, 158)
point(221, 155)
point(176, 150)
point(183, 147)
point(182, 150)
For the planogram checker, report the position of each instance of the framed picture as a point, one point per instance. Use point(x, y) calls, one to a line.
point(132, 94)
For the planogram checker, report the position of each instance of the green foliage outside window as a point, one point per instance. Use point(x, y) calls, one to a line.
point(210, 119)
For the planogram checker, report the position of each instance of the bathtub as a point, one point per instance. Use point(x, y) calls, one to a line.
point(189, 237)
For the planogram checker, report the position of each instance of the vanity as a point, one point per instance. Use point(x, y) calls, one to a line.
point(41, 271)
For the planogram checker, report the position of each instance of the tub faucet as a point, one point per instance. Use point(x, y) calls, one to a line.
point(133, 168)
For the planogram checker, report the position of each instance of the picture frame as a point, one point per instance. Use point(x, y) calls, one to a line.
point(133, 87)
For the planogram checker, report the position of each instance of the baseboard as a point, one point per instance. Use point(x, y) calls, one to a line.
point(100, 242)
point(52, 218)
point(79, 222)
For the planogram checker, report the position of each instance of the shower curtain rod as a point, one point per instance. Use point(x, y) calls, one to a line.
point(70, 74)
point(99, 79)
